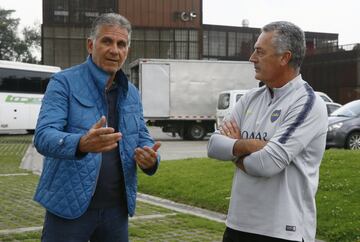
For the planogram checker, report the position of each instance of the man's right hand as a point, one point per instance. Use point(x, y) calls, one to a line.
point(242, 147)
point(99, 138)
point(230, 129)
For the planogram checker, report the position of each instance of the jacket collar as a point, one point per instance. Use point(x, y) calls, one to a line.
point(100, 77)
point(288, 87)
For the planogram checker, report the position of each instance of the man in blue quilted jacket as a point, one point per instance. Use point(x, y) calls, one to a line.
point(93, 136)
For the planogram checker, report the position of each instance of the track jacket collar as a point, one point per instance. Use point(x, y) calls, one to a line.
point(288, 87)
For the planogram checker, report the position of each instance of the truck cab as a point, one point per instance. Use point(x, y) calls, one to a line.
point(226, 102)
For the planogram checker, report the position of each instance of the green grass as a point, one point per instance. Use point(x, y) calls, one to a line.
point(338, 197)
point(179, 227)
point(23, 237)
point(17, 205)
point(206, 183)
point(200, 182)
point(12, 149)
point(18, 210)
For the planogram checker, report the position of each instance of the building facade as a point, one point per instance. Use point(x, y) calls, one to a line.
point(65, 28)
point(335, 71)
point(169, 29)
point(161, 28)
point(166, 29)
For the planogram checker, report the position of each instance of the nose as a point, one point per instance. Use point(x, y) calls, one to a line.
point(252, 58)
point(114, 49)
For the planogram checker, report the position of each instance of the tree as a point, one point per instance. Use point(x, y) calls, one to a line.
point(30, 44)
point(8, 36)
point(14, 48)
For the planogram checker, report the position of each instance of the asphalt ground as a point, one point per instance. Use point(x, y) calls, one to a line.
point(173, 148)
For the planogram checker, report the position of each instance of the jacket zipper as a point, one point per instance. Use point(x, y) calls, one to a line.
point(100, 163)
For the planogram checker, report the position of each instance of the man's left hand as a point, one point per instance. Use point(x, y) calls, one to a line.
point(239, 162)
point(146, 157)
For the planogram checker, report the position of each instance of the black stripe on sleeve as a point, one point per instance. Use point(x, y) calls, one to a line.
point(302, 115)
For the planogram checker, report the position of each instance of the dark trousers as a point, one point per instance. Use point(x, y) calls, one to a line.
point(231, 235)
point(96, 225)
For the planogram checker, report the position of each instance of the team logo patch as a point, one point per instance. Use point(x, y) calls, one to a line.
point(275, 115)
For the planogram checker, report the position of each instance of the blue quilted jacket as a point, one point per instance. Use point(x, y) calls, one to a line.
point(74, 101)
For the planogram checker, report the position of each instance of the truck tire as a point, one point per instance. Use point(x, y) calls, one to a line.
point(195, 132)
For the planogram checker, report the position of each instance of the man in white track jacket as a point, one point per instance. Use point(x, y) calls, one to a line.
point(276, 137)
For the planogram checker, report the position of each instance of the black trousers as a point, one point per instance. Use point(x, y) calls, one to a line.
point(231, 235)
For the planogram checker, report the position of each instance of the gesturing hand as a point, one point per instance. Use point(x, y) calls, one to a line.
point(99, 139)
point(146, 157)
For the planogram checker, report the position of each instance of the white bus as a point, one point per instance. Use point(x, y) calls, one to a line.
point(22, 88)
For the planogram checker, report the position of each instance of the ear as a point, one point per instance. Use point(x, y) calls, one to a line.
point(285, 58)
point(90, 45)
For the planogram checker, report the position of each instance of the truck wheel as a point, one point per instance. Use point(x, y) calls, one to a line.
point(195, 132)
point(353, 141)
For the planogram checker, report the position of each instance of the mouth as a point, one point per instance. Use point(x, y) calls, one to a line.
point(112, 60)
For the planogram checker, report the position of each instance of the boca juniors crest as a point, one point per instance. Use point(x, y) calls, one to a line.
point(275, 115)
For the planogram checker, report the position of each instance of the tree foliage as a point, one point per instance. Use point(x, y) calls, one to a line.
point(12, 46)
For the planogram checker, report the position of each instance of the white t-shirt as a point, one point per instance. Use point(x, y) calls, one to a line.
point(276, 197)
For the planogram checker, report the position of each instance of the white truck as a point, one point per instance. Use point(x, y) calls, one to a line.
point(181, 95)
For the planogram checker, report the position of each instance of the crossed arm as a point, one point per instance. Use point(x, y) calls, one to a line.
point(242, 147)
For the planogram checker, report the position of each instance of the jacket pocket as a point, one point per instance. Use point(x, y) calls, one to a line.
point(83, 101)
point(83, 113)
point(130, 119)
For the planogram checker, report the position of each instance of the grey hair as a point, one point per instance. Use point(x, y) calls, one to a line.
point(288, 37)
point(112, 19)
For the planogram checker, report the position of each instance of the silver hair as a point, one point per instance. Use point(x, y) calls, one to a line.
point(112, 19)
point(288, 37)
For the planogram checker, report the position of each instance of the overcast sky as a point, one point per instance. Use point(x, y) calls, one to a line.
point(330, 16)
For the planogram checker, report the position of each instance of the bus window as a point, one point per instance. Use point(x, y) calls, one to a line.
point(23, 81)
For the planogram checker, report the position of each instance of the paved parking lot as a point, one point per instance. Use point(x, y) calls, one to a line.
point(175, 148)
point(172, 148)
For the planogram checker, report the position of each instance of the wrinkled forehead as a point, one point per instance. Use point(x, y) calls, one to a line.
point(115, 33)
point(265, 40)
point(111, 29)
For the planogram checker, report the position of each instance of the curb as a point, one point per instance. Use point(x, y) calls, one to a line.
point(200, 212)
